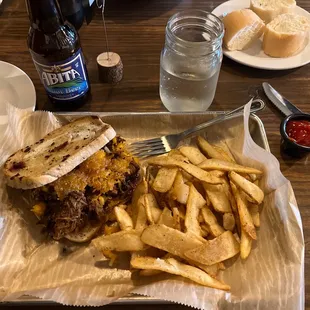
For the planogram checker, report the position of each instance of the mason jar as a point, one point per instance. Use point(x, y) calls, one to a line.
point(191, 60)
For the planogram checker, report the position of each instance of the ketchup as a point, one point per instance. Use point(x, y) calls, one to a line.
point(299, 132)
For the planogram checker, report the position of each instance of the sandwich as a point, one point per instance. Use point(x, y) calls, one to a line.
point(76, 174)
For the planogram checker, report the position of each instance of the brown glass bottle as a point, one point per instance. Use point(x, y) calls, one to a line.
point(73, 11)
point(55, 49)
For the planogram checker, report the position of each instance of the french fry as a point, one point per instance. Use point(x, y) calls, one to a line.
point(200, 174)
point(176, 218)
point(122, 241)
point(244, 214)
point(193, 154)
point(227, 151)
point(246, 176)
point(216, 164)
point(179, 190)
point(249, 198)
point(254, 211)
point(218, 198)
point(211, 270)
point(213, 227)
point(195, 274)
point(178, 180)
point(180, 193)
point(194, 203)
point(253, 177)
point(166, 218)
point(187, 177)
point(168, 239)
point(208, 202)
point(237, 237)
point(196, 237)
point(123, 218)
point(187, 208)
point(172, 266)
point(182, 211)
point(245, 244)
point(111, 256)
point(226, 186)
point(221, 266)
point(223, 153)
point(216, 250)
point(217, 173)
point(205, 230)
point(200, 218)
point(149, 175)
point(234, 208)
point(142, 188)
point(248, 187)
point(164, 179)
point(229, 221)
point(208, 150)
point(111, 229)
point(176, 154)
point(151, 208)
point(172, 241)
point(141, 221)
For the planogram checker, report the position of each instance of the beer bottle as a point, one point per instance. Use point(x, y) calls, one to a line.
point(56, 52)
point(73, 11)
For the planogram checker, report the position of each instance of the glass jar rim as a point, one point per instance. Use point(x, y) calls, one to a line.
point(198, 14)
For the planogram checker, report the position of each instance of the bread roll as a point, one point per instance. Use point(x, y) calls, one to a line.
point(242, 28)
point(286, 35)
point(267, 10)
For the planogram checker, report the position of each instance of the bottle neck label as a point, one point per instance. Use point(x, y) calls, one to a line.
point(65, 80)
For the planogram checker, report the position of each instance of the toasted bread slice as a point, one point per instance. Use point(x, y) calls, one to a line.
point(286, 35)
point(242, 28)
point(57, 153)
point(267, 10)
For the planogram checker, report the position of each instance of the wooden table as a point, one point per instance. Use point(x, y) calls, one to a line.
point(136, 31)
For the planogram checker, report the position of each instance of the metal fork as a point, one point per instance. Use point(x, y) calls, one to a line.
point(165, 144)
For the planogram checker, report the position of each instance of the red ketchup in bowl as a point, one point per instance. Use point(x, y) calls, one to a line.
point(299, 131)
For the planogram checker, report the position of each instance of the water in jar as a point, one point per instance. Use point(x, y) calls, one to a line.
point(190, 61)
point(187, 91)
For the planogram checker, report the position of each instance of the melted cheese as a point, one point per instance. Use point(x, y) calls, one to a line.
point(101, 172)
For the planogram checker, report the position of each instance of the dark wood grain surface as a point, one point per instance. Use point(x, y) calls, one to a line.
point(136, 31)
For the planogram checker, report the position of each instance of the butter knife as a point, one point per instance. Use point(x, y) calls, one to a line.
point(281, 103)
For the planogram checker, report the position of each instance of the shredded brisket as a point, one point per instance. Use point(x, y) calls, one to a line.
point(71, 213)
point(68, 216)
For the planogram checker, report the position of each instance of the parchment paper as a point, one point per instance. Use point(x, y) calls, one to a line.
point(271, 278)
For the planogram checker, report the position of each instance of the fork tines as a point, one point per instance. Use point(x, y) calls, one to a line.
point(148, 148)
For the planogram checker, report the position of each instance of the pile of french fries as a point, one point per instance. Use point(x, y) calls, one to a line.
point(195, 209)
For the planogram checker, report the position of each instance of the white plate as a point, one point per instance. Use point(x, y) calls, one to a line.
point(254, 56)
point(16, 88)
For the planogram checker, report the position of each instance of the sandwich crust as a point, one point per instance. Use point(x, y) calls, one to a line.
point(57, 153)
